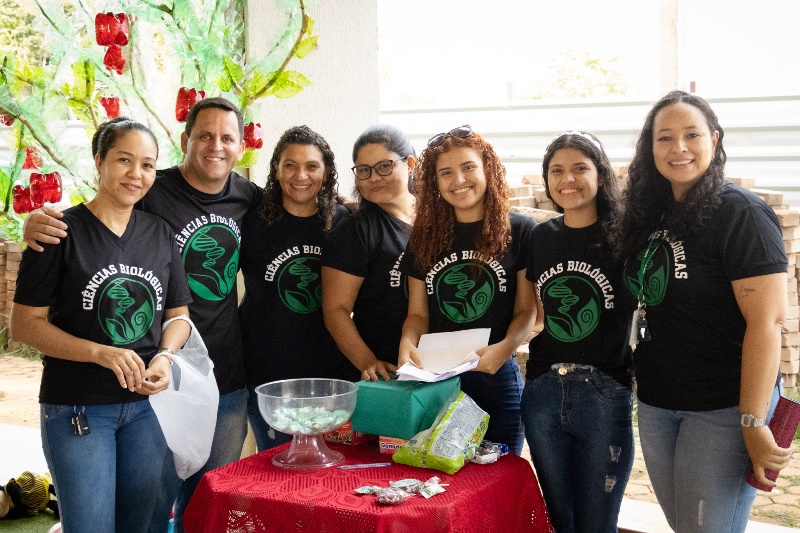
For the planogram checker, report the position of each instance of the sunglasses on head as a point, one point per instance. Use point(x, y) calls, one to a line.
point(461, 132)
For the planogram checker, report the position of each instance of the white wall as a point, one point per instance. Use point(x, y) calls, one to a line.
point(343, 99)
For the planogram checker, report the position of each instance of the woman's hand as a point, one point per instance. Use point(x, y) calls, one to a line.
point(156, 376)
point(408, 354)
point(378, 368)
point(764, 453)
point(415, 324)
point(492, 358)
point(522, 323)
point(126, 365)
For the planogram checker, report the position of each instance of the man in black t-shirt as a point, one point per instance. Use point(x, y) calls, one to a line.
point(204, 202)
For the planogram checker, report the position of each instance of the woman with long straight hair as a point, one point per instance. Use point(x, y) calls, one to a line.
point(578, 400)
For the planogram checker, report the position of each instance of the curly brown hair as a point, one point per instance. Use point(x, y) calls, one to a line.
point(271, 206)
point(434, 226)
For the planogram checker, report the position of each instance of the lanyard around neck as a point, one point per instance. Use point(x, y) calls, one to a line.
point(650, 251)
point(652, 247)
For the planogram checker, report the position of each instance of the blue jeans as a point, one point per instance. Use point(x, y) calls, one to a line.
point(580, 433)
point(266, 437)
point(499, 395)
point(106, 480)
point(229, 435)
point(698, 464)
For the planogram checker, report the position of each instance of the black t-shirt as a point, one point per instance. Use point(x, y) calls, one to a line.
point(283, 331)
point(107, 289)
point(466, 291)
point(693, 361)
point(207, 231)
point(587, 310)
point(369, 244)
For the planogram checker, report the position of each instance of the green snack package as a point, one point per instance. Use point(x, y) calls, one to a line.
point(452, 439)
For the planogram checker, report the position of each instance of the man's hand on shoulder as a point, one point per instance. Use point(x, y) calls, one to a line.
point(43, 225)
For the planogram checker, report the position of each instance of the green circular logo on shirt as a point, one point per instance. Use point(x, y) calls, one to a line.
point(656, 274)
point(299, 285)
point(465, 291)
point(211, 260)
point(125, 310)
point(572, 305)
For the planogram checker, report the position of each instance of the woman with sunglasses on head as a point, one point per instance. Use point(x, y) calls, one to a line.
point(364, 295)
point(466, 263)
point(706, 262)
point(94, 305)
point(578, 400)
point(283, 332)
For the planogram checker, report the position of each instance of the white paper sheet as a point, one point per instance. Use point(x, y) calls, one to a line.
point(442, 352)
point(409, 372)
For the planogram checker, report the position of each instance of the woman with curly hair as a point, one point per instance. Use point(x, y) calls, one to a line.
point(706, 263)
point(365, 295)
point(578, 400)
point(283, 332)
point(466, 262)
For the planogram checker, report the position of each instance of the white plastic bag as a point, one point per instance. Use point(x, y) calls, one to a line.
point(187, 409)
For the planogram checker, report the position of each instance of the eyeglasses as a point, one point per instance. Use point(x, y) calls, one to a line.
point(461, 132)
point(381, 168)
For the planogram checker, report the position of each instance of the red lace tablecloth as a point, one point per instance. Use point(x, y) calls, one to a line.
point(254, 495)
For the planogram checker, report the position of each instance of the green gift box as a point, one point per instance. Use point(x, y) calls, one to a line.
point(400, 409)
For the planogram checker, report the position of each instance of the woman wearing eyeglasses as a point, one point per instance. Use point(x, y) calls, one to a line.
point(283, 332)
point(578, 399)
point(466, 263)
point(364, 295)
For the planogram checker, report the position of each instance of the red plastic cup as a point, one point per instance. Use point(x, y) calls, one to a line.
point(783, 426)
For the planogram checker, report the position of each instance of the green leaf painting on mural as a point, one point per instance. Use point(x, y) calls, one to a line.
point(231, 74)
point(306, 47)
point(249, 158)
point(288, 83)
point(53, 71)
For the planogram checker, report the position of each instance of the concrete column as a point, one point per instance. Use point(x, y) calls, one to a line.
point(669, 49)
point(343, 99)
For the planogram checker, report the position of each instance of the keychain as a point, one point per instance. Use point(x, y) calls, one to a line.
point(80, 424)
point(642, 329)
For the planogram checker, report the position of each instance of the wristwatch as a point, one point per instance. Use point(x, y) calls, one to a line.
point(749, 420)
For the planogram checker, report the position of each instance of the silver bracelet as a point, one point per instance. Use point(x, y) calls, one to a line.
point(166, 352)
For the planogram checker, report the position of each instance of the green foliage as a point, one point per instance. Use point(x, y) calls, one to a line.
point(172, 43)
point(288, 83)
point(577, 74)
point(18, 37)
point(306, 46)
point(786, 519)
point(249, 158)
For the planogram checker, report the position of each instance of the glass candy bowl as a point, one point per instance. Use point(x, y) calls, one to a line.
point(307, 409)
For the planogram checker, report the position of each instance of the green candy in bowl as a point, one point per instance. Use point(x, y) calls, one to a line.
point(307, 409)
